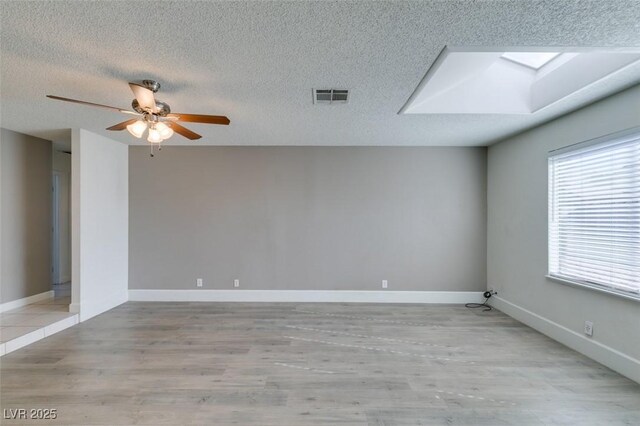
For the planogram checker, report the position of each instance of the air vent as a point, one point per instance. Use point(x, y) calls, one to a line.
point(330, 96)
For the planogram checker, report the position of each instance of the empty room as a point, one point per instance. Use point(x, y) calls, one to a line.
point(320, 212)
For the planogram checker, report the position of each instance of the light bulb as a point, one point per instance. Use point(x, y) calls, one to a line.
point(154, 136)
point(137, 128)
point(165, 131)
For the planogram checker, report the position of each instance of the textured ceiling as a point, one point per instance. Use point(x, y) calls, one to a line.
point(257, 62)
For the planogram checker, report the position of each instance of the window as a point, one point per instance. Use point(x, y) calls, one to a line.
point(594, 214)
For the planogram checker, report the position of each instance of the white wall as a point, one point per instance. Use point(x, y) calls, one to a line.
point(517, 240)
point(100, 209)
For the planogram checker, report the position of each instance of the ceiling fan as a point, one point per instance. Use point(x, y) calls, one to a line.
point(153, 115)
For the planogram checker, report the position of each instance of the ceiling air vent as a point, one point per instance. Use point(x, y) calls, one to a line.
point(330, 96)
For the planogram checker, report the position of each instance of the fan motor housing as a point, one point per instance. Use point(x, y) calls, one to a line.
point(152, 85)
point(163, 108)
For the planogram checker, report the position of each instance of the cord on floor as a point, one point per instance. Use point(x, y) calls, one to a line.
point(487, 295)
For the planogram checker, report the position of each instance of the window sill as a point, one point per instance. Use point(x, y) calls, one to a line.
point(629, 296)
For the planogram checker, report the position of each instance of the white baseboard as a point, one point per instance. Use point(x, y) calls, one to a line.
point(615, 360)
point(74, 308)
point(24, 340)
point(14, 304)
point(323, 296)
point(60, 325)
point(89, 310)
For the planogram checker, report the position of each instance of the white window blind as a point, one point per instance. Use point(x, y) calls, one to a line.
point(594, 215)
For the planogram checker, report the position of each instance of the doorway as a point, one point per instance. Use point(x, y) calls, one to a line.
point(61, 225)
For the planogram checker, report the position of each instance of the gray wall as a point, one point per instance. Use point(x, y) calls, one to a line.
point(322, 218)
point(26, 215)
point(517, 226)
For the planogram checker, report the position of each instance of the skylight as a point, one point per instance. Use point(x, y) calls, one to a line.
point(534, 60)
point(463, 81)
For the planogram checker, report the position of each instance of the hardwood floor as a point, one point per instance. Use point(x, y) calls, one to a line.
point(298, 364)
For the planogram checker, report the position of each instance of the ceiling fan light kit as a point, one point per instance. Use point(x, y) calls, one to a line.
point(165, 131)
point(154, 136)
point(158, 131)
point(137, 128)
point(153, 116)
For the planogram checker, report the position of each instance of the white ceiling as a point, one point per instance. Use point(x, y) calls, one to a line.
point(257, 63)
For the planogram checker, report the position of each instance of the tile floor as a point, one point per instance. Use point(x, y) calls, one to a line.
point(20, 322)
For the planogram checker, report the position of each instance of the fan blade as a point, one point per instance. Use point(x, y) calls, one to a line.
point(59, 98)
point(183, 130)
point(145, 97)
point(123, 125)
point(200, 118)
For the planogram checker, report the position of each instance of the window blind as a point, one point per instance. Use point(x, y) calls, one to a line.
point(594, 215)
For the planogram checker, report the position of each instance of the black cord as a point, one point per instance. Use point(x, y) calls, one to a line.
point(487, 295)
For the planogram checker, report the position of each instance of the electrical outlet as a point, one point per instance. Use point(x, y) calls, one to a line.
point(588, 328)
point(199, 282)
point(385, 284)
point(236, 283)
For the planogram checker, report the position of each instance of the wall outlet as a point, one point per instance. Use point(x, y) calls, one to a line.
point(199, 282)
point(236, 283)
point(385, 283)
point(588, 328)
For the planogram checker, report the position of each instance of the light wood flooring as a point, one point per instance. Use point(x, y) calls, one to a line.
point(299, 364)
